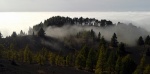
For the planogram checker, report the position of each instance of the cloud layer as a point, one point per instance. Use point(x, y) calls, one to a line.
point(128, 34)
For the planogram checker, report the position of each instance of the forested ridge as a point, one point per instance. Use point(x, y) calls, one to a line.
point(85, 50)
point(60, 21)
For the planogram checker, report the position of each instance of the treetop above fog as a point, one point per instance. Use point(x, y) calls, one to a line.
point(60, 21)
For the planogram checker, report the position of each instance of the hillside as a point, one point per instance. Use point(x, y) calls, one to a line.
point(78, 45)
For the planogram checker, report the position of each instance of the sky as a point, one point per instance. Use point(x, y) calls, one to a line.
point(16, 15)
point(73, 5)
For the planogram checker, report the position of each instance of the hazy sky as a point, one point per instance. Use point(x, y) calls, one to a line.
point(16, 21)
point(74, 5)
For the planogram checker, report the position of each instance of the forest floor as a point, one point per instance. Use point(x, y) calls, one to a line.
point(6, 67)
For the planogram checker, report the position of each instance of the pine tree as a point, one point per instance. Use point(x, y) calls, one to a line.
point(30, 31)
point(118, 65)
point(121, 49)
point(69, 60)
point(14, 34)
point(2, 51)
point(44, 53)
point(41, 33)
point(103, 41)
point(114, 42)
point(91, 60)
point(21, 56)
point(33, 33)
point(140, 41)
point(101, 62)
point(21, 33)
point(40, 59)
point(128, 65)
point(42, 56)
point(11, 52)
point(60, 60)
point(92, 34)
point(148, 52)
point(57, 60)
point(141, 66)
point(147, 40)
point(80, 61)
point(111, 63)
point(51, 58)
point(14, 55)
point(99, 36)
point(27, 55)
point(147, 70)
point(1, 35)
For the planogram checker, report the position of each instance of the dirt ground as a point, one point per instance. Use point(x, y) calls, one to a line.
point(6, 67)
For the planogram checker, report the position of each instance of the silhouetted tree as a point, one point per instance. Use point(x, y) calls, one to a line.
point(33, 34)
point(81, 20)
point(148, 52)
point(140, 41)
point(103, 23)
point(99, 36)
point(30, 31)
point(103, 41)
point(1, 35)
point(114, 42)
point(14, 34)
point(75, 20)
point(21, 33)
point(121, 49)
point(41, 33)
point(92, 34)
point(109, 23)
point(147, 40)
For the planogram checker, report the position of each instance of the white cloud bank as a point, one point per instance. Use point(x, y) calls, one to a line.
point(16, 21)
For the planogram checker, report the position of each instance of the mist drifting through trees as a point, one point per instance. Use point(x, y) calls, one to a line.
point(79, 43)
point(126, 33)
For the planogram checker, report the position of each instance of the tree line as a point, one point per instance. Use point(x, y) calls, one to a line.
point(60, 21)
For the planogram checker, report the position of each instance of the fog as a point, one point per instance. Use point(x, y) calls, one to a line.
point(16, 21)
point(126, 33)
